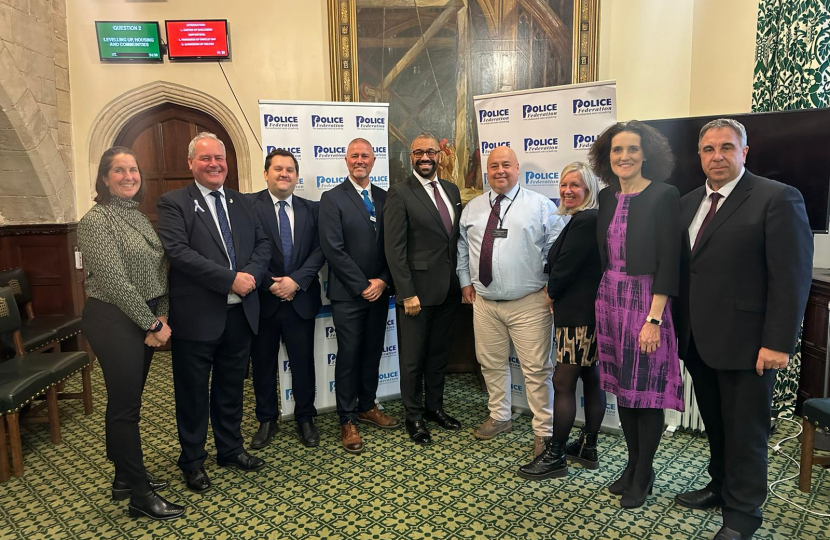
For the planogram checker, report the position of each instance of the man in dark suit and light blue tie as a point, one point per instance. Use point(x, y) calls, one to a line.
point(746, 271)
point(421, 221)
point(351, 236)
point(289, 299)
point(218, 253)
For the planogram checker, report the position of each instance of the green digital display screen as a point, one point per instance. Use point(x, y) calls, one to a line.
point(128, 41)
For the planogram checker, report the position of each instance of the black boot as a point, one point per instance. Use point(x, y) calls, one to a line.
point(584, 450)
point(154, 506)
point(551, 463)
point(121, 488)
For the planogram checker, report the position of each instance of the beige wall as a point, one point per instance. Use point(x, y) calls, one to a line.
point(678, 58)
point(279, 50)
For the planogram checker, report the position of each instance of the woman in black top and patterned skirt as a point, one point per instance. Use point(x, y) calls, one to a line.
point(575, 273)
point(124, 318)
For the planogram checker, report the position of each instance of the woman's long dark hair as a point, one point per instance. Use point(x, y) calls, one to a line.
point(656, 150)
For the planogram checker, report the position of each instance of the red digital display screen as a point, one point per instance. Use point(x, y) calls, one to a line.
point(197, 40)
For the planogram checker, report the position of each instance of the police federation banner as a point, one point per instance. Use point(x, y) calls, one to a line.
point(548, 128)
point(318, 133)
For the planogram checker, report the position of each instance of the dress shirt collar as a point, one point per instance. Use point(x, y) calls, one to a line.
point(206, 191)
point(360, 189)
point(424, 181)
point(289, 201)
point(727, 188)
point(510, 195)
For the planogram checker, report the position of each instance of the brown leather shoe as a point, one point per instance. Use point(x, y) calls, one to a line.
point(351, 438)
point(377, 418)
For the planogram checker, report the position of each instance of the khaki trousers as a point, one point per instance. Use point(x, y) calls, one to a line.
point(528, 323)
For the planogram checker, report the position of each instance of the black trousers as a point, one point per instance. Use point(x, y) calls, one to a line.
point(735, 407)
point(361, 329)
point(125, 360)
point(198, 395)
point(298, 335)
point(424, 351)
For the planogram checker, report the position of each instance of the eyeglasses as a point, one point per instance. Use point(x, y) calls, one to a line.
point(420, 153)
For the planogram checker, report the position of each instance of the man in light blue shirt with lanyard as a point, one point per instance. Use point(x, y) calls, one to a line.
point(505, 236)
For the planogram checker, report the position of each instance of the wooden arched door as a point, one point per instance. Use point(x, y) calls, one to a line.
point(159, 138)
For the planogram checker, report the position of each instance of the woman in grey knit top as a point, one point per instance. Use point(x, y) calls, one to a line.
point(124, 319)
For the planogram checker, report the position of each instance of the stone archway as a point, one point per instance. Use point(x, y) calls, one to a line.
point(37, 187)
point(115, 115)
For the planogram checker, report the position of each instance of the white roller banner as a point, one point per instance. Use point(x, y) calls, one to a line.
point(548, 128)
point(317, 133)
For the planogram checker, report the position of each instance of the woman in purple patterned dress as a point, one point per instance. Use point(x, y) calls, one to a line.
point(638, 231)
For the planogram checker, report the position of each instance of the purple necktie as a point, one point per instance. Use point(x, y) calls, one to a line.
point(442, 208)
point(713, 207)
point(485, 264)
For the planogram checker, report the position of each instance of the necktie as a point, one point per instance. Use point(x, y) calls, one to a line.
point(713, 207)
point(485, 264)
point(442, 207)
point(285, 237)
point(370, 207)
point(224, 227)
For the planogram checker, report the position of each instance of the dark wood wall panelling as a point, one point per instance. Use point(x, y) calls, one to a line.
point(47, 255)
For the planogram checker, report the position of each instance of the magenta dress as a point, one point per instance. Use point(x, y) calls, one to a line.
point(639, 380)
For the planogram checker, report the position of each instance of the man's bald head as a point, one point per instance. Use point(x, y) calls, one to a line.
point(502, 169)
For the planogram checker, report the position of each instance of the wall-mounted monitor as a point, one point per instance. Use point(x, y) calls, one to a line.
point(788, 146)
point(128, 41)
point(198, 40)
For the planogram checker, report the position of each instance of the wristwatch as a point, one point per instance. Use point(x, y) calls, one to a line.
point(156, 327)
point(652, 320)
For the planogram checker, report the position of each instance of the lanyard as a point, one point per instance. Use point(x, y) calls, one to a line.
point(509, 206)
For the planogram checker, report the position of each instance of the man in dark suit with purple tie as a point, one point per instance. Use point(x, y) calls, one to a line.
point(289, 299)
point(421, 222)
point(746, 267)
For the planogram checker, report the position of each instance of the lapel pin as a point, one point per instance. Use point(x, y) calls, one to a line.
point(196, 206)
point(230, 200)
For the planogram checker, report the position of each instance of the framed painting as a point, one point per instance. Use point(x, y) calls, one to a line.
point(428, 58)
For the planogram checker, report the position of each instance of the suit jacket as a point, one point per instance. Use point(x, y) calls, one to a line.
point(351, 245)
point(306, 256)
point(652, 242)
point(746, 284)
point(421, 255)
point(200, 277)
point(575, 271)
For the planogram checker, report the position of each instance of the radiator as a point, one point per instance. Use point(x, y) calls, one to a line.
point(690, 419)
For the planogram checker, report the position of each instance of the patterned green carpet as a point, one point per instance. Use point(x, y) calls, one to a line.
point(456, 488)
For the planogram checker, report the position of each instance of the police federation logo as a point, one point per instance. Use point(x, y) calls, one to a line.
point(380, 181)
point(325, 183)
point(380, 151)
point(495, 116)
point(326, 122)
point(538, 112)
point(546, 179)
point(329, 152)
point(388, 378)
point(269, 121)
point(368, 123)
point(487, 146)
point(586, 107)
point(544, 145)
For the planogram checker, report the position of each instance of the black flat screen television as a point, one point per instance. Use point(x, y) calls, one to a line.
point(792, 147)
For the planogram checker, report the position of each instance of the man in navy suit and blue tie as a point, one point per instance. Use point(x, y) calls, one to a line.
point(218, 254)
point(289, 298)
point(351, 235)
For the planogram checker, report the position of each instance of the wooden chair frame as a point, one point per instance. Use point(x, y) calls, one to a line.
point(808, 457)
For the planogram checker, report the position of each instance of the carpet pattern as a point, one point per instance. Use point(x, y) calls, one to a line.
point(456, 488)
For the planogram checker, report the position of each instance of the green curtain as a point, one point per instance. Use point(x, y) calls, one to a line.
point(792, 55)
point(792, 71)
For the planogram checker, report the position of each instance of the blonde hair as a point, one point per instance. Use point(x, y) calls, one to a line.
point(591, 183)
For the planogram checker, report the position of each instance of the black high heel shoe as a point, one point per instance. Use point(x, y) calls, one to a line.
point(634, 496)
point(154, 506)
point(622, 483)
